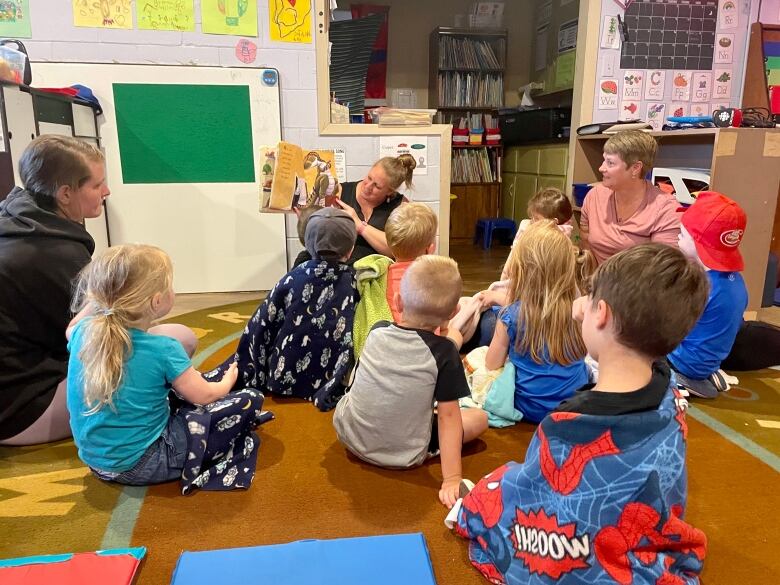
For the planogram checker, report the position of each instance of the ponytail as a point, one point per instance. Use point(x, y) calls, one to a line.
point(399, 169)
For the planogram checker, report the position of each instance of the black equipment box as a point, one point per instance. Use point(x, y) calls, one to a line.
point(526, 126)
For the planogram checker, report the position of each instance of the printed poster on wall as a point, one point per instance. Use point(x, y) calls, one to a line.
point(105, 14)
point(629, 110)
point(608, 94)
point(678, 110)
point(165, 15)
point(721, 84)
point(567, 36)
point(610, 39)
point(632, 85)
point(290, 20)
point(724, 48)
point(655, 115)
point(702, 86)
point(229, 17)
point(728, 16)
point(655, 84)
point(701, 110)
point(15, 19)
point(417, 146)
point(681, 86)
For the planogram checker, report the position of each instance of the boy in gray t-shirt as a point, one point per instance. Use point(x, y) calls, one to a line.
point(387, 416)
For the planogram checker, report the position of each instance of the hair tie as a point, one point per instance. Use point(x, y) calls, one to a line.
point(105, 312)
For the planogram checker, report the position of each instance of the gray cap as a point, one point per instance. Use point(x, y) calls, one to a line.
point(330, 231)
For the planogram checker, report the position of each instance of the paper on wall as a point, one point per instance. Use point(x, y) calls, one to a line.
point(290, 22)
point(88, 13)
point(632, 84)
point(654, 115)
point(16, 21)
point(417, 146)
point(608, 94)
point(545, 14)
point(166, 15)
point(629, 110)
point(610, 38)
point(702, 87)
point(229, 17)
point(722, 79)
point(677, 110)
point(681, 86)
point(724, 48)
point(567, 36)
point(728, 15)
point(540, 57)
point(700, 110)
point(655, 84)
point(340, 164)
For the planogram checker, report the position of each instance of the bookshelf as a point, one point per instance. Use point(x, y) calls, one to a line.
point(466, 78)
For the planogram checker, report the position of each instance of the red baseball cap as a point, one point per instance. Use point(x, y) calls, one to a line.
point(716, 224)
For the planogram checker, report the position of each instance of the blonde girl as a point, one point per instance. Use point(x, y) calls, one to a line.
point(536, 330)
point(120, 371)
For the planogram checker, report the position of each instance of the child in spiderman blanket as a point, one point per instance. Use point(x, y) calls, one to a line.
point(299, 341)
point(601, 495)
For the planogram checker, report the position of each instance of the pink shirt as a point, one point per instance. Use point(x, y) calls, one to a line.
point(656, 220)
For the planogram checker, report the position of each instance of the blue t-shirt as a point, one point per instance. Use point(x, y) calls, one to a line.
point(710, 341)
point(115, 439)
point(540, 388)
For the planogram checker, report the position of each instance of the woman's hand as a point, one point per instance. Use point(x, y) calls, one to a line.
point(349, 211)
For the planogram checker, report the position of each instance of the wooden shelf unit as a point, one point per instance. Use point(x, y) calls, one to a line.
point(478, 199)
point(744, 165)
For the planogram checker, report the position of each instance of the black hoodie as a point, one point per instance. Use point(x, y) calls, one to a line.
point(40, 255)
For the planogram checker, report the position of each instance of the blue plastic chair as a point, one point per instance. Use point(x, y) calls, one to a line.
point(487, 226)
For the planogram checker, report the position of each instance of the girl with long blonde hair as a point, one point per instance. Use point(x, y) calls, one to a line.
point(536, 329)
point(120, 371)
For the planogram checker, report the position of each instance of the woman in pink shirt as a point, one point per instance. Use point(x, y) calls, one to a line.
point(625, 209)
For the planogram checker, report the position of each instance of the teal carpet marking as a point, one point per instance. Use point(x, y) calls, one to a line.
point(741, 441)
point(119, 530)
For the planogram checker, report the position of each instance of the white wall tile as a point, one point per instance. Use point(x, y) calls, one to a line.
point(299, 108)
point(94, 52)
point(38, 50)
point(178, 55)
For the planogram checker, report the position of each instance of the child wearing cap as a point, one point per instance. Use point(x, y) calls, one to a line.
point(712, 229)
point(299, 341)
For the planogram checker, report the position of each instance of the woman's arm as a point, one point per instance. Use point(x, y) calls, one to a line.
point(499, 348)
point(667, 229)
point(375, 237)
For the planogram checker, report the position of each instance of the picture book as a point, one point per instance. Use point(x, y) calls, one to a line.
point(292, 177)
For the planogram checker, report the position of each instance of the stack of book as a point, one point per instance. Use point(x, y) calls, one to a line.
point(476, 165)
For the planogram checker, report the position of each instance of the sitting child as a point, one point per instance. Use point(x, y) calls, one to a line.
point(387, 418)
point(118, 384)
point(536, 330)
point(710, 234)
point(411, 232)
point(299, 341)
point(601, 495)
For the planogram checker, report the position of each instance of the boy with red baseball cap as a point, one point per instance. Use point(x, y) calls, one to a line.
point(711, 231)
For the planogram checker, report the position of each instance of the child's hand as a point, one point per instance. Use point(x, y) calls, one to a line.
point(448, 494)
point(578, 308)
point(231, 375)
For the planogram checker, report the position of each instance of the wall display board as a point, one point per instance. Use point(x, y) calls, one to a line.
point(181, 146)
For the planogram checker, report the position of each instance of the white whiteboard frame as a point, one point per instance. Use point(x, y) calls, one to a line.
point(214, 233)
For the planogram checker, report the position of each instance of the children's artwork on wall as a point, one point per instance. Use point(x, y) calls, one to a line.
point(629, 110)
point(632, 85)
point(729, 15)
point(610, 36)
point(246, 51)
point(102, 13)
point(722, 84)
point(178, 133)
point(702, 86)
point(655, 115)
point(681, 86)
point(290, 20)
point(229, 17)
point(678, 110)
point(15, 19)
point(666, 35)
point(166, 15)
point(655, 84)
point(608, 94)
point(724, 48)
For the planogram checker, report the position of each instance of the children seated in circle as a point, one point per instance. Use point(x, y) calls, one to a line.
point(119, 375)
point(298, 343)
point(387, 418)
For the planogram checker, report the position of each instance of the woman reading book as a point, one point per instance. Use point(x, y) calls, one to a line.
point(371, 201)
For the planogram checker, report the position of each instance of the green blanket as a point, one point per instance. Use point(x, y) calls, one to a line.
point(372, 286)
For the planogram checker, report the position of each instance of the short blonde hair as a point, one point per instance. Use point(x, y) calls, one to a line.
point(410, 229)
point(632, 146)
point(430, 289)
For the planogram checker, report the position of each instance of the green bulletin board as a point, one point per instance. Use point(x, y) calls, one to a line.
point(184, 133)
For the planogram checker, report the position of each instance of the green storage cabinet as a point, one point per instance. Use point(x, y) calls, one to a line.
point(528, 169)
point(526, 187)
point(507, 194)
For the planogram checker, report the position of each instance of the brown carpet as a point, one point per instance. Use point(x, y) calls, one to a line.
point(308, 487)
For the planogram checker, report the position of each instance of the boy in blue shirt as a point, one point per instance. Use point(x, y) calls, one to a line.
point(711, 231)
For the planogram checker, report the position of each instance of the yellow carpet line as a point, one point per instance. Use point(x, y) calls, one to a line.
point(768, 424)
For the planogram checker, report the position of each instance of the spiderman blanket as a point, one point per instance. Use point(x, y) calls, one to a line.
point(299, 341)
point(599, 500)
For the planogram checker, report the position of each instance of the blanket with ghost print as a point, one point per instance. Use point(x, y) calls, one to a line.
point(299, 341)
